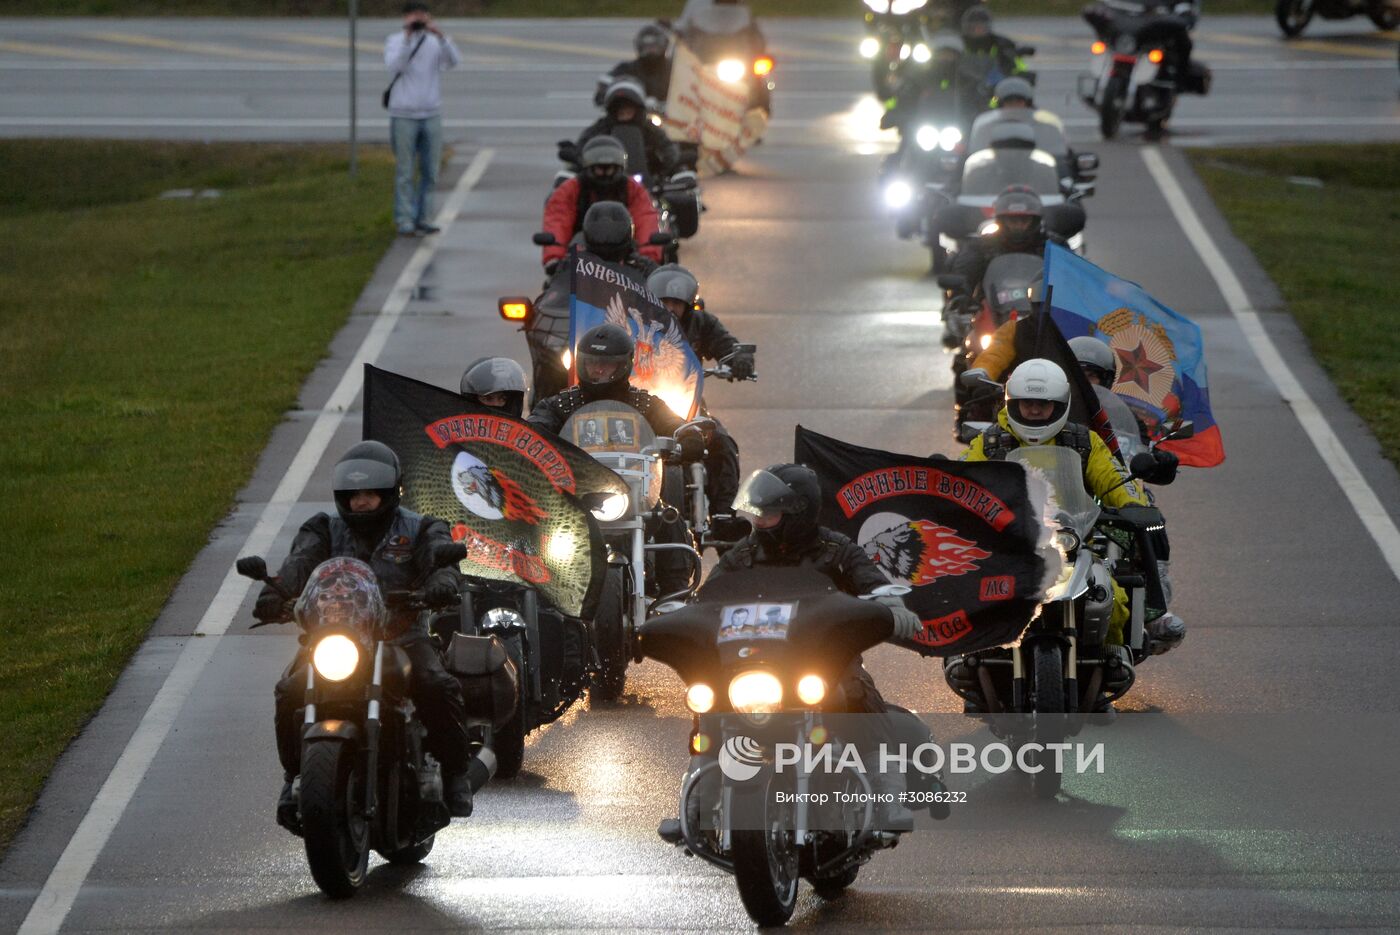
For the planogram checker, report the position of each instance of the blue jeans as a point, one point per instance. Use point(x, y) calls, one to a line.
point(420, 140)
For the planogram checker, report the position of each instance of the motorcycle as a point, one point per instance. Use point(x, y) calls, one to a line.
point(1050, 137)
point(620, 438)
point(751, 686)
point(893, 33)
point(366, 780)
point(1133, 39)
point(676, 199)
point(727, 37)
point(1062, 665)
point(1294, 15)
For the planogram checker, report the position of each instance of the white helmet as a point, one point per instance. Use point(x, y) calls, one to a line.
point(1043, 380)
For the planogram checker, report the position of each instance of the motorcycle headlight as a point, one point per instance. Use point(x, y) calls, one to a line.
point(756, 693)
point(949, 138)
point(811, 689)
point(336, 657)
point(731, 70)
point(904, 51)
point(898, 194)
point(869, 47)
point(502, 618)
point(921, 53)
point(611, 509)
point(927, 137)
point(903, 7)
point(700, 698)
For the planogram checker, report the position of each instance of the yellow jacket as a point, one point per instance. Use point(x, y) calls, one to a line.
point(1001, 352)
point(1103, 474)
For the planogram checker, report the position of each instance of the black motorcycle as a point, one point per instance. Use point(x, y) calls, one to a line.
point(366, 779)
point(762, 654)
point(1141, 48)
point(1294, 15)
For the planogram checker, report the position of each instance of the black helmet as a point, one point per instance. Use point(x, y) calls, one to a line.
point(373, 466)
point(625, 91)
point(605, 346)
point(976, 23)
point(1020, 215)
point(651, 41)
point(496, 375)
point(782, 503)
point(607, 230)
point(1008, 89)
point(604, 162)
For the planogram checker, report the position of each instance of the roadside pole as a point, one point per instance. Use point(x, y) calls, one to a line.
point(353, 165)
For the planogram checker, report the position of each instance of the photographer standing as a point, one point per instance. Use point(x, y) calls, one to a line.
point(416, 57)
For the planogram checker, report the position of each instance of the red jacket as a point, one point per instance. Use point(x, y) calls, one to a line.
point(562, 218)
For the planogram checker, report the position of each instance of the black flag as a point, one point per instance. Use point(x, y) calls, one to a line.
point(508, 491)
point(968, 538)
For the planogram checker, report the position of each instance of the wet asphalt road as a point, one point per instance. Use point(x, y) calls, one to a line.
point(1291, 608)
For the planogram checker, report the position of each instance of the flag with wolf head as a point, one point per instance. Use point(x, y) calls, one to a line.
point(970, 540)
point(512, 494)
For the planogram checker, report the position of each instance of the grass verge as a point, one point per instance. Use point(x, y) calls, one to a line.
point(147, 349)
point(1331, 250)
point(526, 8)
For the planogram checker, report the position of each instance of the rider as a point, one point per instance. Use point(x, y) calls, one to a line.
point(782, 503)
point(678, 290)
point(496, 383)
point(605, 356)
point(997, 55)
point(651, 67)
point(940, 90)
point(607, 234)
point(398, 544)
point(625, 105)
point(602, 177)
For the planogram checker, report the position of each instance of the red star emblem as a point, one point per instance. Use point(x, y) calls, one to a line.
point(1137, 366)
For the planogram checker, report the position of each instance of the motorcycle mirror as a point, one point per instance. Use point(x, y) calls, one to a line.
point(1181, 431)
point(1025, 50)
point(1084, 189)
point(515, 308)
point(745, 348)
point(971, 378)
point(952, 281)
point(970, 430)
point(449, 554)
point(544, 239)
point(1142, 464)
point(660, 239)
point(568, 151)
point(1087, 162)
point(253, 567)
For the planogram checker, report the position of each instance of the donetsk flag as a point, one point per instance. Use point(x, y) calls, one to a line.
point(1159, 353)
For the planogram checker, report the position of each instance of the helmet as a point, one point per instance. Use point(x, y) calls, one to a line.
point(607, 230)
point(496, 375)
point(1037, 379)
point(604, 161)
point(946, 47)
point(602, 347)
point(1093, 354)
point(976, 22)
point(651, 40)
point(781, 502)
point(1012, 88)
point(673, 282)
point(625, 91)
point(1020, 216)
point(368, 465)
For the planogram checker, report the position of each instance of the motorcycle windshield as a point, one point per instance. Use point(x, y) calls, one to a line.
point(630, 136)
point(1050, 133)
point(1064, 469)
point(342, 593)
point(616, 435)
point(987, 173)
point(1007, 283)
point(790, 620)
point(1123, 422)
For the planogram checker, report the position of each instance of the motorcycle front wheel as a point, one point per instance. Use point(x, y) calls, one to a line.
point(1048, 698)
point(609, 629)
point(765, 870)
point(1293, 16)
point(1385, 17)
point(508, 743)
point(332, 817)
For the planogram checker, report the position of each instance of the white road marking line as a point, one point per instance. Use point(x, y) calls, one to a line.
point(64, 883)
point(1333, 453)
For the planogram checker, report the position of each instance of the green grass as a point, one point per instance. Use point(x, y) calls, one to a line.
point(1332, 251)
point(531, 8)
point(147, 349)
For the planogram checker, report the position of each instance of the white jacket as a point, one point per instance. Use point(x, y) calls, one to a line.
point(418, 92)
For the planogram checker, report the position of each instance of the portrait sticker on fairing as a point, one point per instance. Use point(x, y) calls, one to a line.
point(755, 622)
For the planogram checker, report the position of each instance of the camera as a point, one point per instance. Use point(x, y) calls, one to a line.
point(417, 26)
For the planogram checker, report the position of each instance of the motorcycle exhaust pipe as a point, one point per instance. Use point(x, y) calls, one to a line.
point(481, 768)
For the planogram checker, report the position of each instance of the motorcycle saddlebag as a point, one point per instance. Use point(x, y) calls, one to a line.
point(490, 683)
point(1197, 80)
point(685, 208)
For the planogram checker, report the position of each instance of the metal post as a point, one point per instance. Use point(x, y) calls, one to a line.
point(353, 160)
